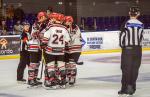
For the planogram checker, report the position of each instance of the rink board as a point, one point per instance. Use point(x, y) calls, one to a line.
point(92, 43)
point(107, 40)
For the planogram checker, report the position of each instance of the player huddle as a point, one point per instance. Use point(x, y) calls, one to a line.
point(58, 40)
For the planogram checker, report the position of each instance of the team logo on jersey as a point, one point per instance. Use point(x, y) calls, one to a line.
point(3, 43)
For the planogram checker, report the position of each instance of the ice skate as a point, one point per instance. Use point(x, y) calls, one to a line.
point(34, 84)
point(72, 81)
point(50, 85)
point(122, 93)
point(62, 84)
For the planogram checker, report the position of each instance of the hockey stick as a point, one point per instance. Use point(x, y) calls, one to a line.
point(43, 62)
point(42, 69)
point(41, 73)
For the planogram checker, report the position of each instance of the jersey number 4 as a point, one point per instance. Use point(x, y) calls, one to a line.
point(58, 39)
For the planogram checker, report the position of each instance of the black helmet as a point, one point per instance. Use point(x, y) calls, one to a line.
point(134, 10)
point(26, 23)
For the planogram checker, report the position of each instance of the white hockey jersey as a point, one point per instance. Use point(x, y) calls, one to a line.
point(56, 38)
point(75, 44)
point(34, 42)
point(37, 32)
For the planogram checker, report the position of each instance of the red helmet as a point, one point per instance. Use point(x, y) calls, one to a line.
point(41, 14)
point(68, 19)
point(53, 15)
point(60, 17)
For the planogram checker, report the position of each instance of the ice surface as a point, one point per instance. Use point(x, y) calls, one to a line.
point(99, 77)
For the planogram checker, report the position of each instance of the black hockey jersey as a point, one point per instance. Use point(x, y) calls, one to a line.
point(24, 37)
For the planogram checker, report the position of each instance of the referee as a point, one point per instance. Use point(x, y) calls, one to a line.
point(131, 43)
point(24, 54)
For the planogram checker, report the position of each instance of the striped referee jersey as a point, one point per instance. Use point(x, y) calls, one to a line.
point(131, 34)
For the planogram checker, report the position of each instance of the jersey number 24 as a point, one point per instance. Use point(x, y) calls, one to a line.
point(58, 39)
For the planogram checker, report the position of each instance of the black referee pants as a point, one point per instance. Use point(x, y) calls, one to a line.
point(130, 63)
point(24, 60)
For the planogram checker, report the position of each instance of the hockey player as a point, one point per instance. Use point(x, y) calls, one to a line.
point(51, 18)
point(56, 38)
point(74, 49)
point(35, 49)
point(24, 54)
point(51, 21)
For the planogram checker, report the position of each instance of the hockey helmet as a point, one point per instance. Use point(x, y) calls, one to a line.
point(26, 23)
point(60, 17)
point(41, 14)
point(134, 10)
point(53, 15)
point(68, 19)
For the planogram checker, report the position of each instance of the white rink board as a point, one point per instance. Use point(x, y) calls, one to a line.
point(107, 40)
point(146, 40)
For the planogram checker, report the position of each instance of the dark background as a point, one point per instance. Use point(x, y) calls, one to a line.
point(83, 8)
